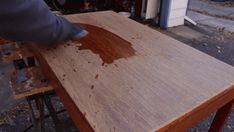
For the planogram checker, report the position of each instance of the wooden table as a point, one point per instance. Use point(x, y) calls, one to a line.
point(134, 78)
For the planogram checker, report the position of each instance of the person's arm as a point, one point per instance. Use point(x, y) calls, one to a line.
point(32, 21)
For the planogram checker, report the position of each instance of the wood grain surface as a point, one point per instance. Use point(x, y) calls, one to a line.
point(162, 85)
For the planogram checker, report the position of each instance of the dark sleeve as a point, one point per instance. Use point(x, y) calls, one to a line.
point(31, 20)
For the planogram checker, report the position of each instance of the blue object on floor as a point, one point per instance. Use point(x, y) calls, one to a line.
point(21, 76)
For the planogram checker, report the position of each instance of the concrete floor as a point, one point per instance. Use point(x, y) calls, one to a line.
point(212, 14)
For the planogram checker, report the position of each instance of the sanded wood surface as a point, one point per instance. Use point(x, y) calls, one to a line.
point(161, 84)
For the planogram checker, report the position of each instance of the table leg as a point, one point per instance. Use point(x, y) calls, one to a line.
point(221, 117)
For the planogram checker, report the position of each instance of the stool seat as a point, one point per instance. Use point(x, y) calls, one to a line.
point(14, 51)
point(28, 82)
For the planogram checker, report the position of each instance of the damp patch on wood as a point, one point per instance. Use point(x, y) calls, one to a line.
point(106, 44)
point(96, 77)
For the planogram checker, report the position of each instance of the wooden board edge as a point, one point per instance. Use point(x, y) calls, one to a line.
point(73, 111)
point(33, 92)
point(193, 117)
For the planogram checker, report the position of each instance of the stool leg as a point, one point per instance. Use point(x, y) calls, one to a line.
point(41, 115)
point(33, 118)
point(221, 117)
point(52, 111)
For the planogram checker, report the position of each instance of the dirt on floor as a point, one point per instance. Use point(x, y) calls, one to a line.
point(227, 3)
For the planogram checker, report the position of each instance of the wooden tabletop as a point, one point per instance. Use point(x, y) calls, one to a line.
point(128, 77)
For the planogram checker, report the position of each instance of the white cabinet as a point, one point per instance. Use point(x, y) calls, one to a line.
point(177, 12)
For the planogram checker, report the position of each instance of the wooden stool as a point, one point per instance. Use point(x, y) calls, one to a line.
point(27, 81)
point(31, 84)
point(14, 51)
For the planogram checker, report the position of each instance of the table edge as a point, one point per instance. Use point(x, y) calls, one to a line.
point(191, 118)
point(73, 111)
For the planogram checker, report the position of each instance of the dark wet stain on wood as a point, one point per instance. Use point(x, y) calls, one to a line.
point(96, 112)
point(107, 45)
point(4, 41)
point(96, 77)
point(92, 87)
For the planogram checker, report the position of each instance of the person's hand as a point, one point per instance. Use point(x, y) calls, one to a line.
point(81, 34)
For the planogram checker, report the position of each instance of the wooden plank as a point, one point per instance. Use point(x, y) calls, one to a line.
point(14, 51)
point(34, 82)
point(127, 77)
